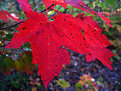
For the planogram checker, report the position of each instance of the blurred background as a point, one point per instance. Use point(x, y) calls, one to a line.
point(17, 73)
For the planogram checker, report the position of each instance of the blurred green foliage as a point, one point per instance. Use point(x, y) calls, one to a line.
point(13, 82)
point(64, 84)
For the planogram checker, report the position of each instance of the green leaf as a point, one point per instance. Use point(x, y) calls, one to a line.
point(25, 63)
point(78, 85)
point(64, 84)
point(6, 64)
point(111, 2)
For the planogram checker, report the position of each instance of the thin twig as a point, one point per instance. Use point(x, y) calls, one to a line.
point(11, 25)
point(47, 8)
point(23, 21)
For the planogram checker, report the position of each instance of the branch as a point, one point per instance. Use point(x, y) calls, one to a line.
point(23, 21)
point(11, 25)
point(47, 8)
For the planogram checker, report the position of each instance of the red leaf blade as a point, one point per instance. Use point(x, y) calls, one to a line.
point(5, 15)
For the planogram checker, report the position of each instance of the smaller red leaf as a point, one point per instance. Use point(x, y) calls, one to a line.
point(5, 15)
point(26, 7)
point(55, 2)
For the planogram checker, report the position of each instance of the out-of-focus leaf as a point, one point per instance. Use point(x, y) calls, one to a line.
point(111, 2)
point(117, 57)
point(118, 28)
point(1, 61)
point(102, 5)
point(6, 64)
point(112, 60)
point(25, 63)
point(78, 85)
point(64, 84)
point(84, 80)
point(116, 42)
point(61, 9)
point(34, 89)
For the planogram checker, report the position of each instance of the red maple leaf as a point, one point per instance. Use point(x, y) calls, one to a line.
point(47, 52)
point(80, 34)
point(4, 15)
